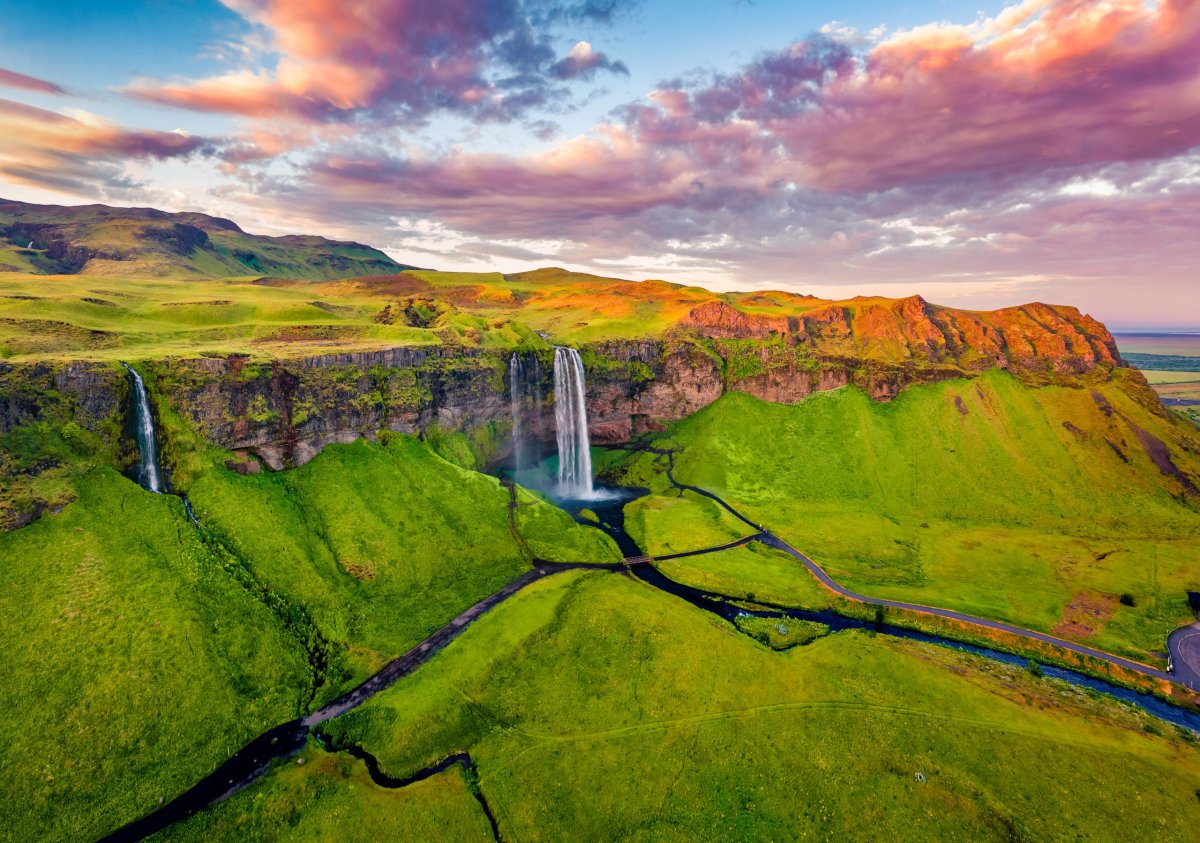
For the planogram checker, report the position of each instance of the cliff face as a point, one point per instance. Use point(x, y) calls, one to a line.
point(1033, 337)
point(286, 411)
point(89, 394)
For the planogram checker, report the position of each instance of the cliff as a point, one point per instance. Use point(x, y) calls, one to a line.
point(285, 411)
point(280, 413)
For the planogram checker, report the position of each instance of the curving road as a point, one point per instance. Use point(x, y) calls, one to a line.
point(1183, 644)
point(1081, 649)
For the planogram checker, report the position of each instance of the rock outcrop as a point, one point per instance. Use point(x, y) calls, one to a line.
point(285, 412)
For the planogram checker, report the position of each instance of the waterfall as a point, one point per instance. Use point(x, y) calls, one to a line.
point(570, 419)
point(537, 384)
point(143, 421)
point(516, 379)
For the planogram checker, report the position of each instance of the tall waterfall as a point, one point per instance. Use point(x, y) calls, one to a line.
point(570, 419)
point(516, 381)
point(143, 421)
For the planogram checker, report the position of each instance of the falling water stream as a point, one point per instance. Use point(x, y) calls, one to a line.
point(148, 475)
point(571, 425)
point(516, 380)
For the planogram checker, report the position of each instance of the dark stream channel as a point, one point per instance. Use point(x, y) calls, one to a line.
point(607, 504)
point(610, 512)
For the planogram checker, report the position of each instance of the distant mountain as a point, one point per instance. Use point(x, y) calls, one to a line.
point(144, 242)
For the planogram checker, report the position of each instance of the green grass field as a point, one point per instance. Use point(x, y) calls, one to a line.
point(319, 796)
point(133, 663)
point(983, 496)
point(597, 708)
point(672, 522)
point(147, 656)
point(752, 572)
point(1157, 378)
point(382, 544)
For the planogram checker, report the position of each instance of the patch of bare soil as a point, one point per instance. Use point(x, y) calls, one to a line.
point(1087, 612)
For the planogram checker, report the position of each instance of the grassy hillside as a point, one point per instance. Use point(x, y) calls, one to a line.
point(133, 662)
point(320, 796)
point(146, 243)
point(697, 732)
point(1037, 506)
point(380, 544)
point(141, 656)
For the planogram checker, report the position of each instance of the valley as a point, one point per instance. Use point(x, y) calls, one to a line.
point(485, 554)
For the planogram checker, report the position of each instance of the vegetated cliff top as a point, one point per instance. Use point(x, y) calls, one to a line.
point(147, 243)
point(138, 283)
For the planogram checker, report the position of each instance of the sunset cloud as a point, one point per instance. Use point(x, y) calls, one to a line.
point(80, 153)
point(1044, 88)
point(397, 60)
point(584, 62)
point(12, 79)
point(1054, 143)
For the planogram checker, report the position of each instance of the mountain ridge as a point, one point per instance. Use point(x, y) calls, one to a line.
point(146, 242)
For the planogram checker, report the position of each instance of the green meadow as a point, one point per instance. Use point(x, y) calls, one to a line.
point(318, 796)
point(597, 708)
point(381, 544)
point(147, 655)
point(134, 662)
point(1033, 506)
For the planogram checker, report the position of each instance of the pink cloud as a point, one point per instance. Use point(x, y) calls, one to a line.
point(401, 59)
point(78, 154)
point(1045, 84)
point(12, 79)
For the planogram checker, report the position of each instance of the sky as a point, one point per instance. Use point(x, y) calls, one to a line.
point(980, 154)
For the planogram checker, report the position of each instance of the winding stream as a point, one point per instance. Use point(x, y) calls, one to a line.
point(730, 608)
point(607, 503)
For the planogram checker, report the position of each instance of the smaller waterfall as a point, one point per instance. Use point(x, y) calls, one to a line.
point(570, 419)
point(537, 384)
point(148, 475)
point(516, 382)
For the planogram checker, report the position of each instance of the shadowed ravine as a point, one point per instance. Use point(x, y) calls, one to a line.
point(253, 760)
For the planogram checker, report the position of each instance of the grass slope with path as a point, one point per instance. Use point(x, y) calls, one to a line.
point(323, 796)
point(142, 655)
point(699, 732)
point(1034, 506)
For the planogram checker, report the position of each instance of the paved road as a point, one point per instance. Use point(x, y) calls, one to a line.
point(1184, 647)
point(1187, 640)
point(1081, 649)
